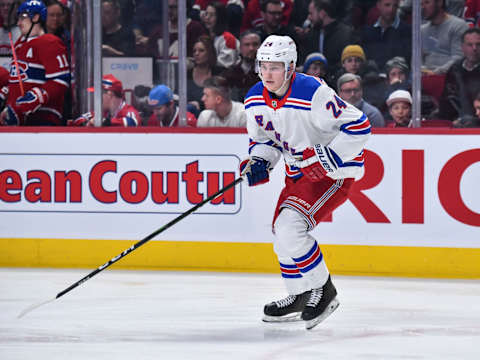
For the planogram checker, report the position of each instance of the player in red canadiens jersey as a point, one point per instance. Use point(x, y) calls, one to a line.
point(37, 88)
point(116, 111)
point(322, 139)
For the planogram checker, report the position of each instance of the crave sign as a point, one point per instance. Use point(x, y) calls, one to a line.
point(117, 183)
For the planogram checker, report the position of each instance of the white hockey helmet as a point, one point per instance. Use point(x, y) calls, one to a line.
point(277, 48)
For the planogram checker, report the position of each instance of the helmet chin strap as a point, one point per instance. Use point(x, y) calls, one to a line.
point(283, 89)
point(31, 27)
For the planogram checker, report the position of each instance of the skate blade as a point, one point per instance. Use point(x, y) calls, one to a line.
point(310, 324)
point(280, 319)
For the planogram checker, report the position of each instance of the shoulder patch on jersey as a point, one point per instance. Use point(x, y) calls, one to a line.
point(29, 53)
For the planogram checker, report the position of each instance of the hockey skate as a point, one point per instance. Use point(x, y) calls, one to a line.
point(320, 305)
point(284, 310)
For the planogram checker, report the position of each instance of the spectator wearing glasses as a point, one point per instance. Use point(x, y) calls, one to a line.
point(253, 18)
point(272, 14)
point(220, 110)
point(55, 24)
point(350, 89)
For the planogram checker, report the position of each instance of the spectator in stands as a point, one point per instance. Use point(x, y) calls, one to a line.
point(389, 36)
point(204, 60)
point(8, 7)
point(164, 108)
point(400, 107)
point(455, 7)
point(147, 21)
point(472, 13)
point(441, 37)
point(4, 78)
point(397, 71)
point(328, 35)
point(117, 39)
point(153, 44)
point(253, 14)
point(226, 44)
point(235, 11)
point(350, 89)
point(299, 19)
point(354, 61)
point(462, 82)
point(476, 105)
point(243, 76)
point(116, 112)
point(220, 110)
point(272, 14)
point(55, 24)
point(353, 57)
point(398, 77)
point(316, 65)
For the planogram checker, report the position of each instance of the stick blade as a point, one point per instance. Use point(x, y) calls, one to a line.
point(33, 307)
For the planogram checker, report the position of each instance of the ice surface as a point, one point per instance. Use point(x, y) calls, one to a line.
point(137, 315)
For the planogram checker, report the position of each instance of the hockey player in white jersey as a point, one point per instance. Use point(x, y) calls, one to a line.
point(322, 139)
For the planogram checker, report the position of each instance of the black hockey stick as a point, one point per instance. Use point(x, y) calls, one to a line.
point(132, 248)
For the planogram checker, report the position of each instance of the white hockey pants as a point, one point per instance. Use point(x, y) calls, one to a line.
point(298, 251)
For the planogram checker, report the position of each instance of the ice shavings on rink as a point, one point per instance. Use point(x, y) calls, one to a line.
point(126, 315)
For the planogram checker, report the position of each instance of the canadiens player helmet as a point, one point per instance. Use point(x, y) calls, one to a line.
point(32, 7)
point(277, 48)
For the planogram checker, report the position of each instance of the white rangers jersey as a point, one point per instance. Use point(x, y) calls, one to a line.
point(309, 113)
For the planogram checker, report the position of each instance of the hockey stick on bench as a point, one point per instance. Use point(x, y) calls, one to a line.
point(131, 248)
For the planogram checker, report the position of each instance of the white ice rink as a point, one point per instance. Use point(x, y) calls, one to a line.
point(125, 315)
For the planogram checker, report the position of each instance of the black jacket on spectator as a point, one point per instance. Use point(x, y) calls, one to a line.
point(381, 47)
point(239, 81)
point(460, 89)
point(281, 30)
point(122, 40)
point(337, 35)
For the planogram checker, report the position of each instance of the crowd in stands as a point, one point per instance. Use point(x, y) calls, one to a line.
point(361, 48)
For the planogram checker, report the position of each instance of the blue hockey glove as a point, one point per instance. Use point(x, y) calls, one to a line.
point(31, 101)
point(256, 169)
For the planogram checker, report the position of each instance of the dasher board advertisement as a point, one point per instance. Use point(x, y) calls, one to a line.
point(418, 190)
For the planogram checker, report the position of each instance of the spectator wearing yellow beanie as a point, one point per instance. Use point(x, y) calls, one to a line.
point(353, 58)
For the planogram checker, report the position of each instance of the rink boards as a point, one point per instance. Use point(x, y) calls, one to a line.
point(78, 199)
